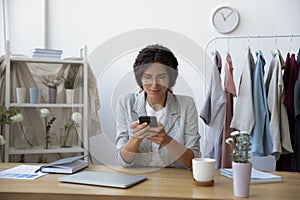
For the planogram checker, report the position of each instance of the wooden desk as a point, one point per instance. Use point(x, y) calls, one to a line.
point(162, 184)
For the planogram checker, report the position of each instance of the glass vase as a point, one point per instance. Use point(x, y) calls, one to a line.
point(47, 140)
point(66, 137)
point(23, 136)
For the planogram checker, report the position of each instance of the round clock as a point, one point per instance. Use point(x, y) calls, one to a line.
point(225, 19)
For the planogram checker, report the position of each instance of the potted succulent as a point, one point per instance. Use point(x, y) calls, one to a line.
point(70, 82)
point(241, 167)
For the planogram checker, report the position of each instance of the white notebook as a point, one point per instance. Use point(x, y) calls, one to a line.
point(256, 176)
point(68, 168)
point(66, 165)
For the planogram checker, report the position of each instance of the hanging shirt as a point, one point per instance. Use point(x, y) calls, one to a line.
point(161, 117)
point(296, 156)
point(243, 117)
point(261, 141)
point(279, 125)
point(290, 77)
point(230, 92)
point(212, 113)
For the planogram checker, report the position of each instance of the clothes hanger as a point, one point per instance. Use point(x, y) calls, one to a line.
point(276, 41)
point(248, 43)
point(228, 44)
point(290, 49)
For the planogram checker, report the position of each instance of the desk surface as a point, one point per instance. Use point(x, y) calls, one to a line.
point(162, 184)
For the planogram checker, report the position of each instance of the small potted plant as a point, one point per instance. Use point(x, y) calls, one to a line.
point(71, 81)
point(241, 167)
point(52, 82)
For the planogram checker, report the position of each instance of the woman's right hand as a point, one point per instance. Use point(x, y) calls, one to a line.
point(138, 130)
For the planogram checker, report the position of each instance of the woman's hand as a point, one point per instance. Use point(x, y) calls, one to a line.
point(139, 131)
point(158, 135)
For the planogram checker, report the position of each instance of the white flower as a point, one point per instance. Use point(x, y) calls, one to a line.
point(229, 140)
point(2, 140)
point(17, 118)
point(44, 112)
point(76, 117)
point(235, 133)
point(244, 132)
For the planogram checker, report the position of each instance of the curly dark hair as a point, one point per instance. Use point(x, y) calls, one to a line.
point(155, 54)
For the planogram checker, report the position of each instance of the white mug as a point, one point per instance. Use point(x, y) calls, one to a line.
point(203, 169)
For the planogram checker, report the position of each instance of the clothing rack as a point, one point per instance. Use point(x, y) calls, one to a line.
point(248, 37)
point(228, 38)
point(251, 37)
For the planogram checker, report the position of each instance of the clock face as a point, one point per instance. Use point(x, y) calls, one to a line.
point(225, 19)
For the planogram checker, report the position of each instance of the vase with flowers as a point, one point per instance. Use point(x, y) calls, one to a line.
point(45, 113)
point(66, 133)
point(24, 140)
point(241, 167)
point(12, 115)
point(52, 82)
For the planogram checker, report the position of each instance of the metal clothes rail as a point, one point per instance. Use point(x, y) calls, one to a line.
point(251, 37)
point(228, 38)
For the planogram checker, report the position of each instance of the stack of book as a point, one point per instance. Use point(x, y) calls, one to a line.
point(47, 53)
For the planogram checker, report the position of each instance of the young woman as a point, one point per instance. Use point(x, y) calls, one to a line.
point(175, 141)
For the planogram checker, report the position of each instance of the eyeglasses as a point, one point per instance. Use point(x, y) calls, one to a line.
point(146, 78)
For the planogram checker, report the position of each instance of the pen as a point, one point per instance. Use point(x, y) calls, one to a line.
point(39, 169)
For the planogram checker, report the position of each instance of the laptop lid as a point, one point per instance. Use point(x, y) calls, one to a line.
point(103, 179)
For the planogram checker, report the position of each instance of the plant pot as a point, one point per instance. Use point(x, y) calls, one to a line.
point(52, 95)
point(69, 96)
point(21, 95)
point(34, 94)
point(241, 178)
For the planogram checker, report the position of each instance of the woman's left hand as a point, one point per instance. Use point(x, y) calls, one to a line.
point(158, 135)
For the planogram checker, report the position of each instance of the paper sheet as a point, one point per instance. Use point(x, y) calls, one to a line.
point(25, 172)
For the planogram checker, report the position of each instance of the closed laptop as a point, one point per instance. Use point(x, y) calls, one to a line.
point(103, 179)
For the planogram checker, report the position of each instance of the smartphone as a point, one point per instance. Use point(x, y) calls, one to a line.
point(151, 120)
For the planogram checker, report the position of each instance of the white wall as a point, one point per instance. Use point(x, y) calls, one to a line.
point(96, 23)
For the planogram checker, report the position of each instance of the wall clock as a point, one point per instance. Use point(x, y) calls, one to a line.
point(225, 19)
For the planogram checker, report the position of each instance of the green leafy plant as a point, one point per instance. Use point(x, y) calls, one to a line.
point(12, 115)
point(5, 118)
point(240, 146)
point(72, 79)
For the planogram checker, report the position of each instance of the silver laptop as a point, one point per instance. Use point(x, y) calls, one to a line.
point(103, 179)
